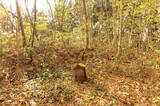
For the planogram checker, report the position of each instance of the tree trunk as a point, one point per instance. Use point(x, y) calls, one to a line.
point(34, 29)
point(86, 22)
point(50, 9)
point(120, 31)
point(34, 23)
point(19, 18)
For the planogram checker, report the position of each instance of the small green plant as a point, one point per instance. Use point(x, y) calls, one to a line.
point(28, 51)
point(154, 61)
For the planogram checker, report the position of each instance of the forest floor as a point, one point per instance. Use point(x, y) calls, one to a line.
point(131, 80)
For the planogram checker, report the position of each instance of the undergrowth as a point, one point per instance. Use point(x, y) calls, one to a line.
point(49, 78)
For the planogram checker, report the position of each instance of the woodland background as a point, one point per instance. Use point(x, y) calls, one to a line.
point(117, 40)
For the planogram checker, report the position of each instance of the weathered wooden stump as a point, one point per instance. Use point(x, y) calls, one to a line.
point(80, 73)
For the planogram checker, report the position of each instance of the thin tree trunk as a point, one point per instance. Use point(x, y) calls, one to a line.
point(29, 18)
point(34, 28)
point(114, 26)
point(63, 14)
point(20, 23)
point(120, 32)
point(131, 31)
point(86, 22)
point(34, 24)
point(50, 8)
